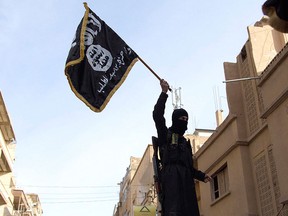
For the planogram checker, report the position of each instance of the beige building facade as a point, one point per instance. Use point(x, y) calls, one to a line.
point(198, 138)
point(137, 186)
point(13, 202)
point(124, 206)
point(247, 155)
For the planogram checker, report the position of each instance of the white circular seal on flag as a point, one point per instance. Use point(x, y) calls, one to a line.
point(99, 58)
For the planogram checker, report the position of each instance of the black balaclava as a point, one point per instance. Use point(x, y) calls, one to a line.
point(179, 126)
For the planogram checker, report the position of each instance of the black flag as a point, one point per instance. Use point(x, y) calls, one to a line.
point(98, 62)
point(277, 11)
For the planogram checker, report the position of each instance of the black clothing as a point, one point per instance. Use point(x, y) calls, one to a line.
point(178, 173)
point(179, 126)
point(178, 113)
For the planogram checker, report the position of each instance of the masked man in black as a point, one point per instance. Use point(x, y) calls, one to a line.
point(178, 173)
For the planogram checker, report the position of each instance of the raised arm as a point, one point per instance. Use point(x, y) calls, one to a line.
point(159, 109)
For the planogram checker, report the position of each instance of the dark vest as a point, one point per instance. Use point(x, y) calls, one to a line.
point(177, 150)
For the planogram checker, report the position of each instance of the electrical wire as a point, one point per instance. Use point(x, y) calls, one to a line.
point(62, 186)
point(80, 202)
point(62, 196)
point(79, 193)
point(76, 187)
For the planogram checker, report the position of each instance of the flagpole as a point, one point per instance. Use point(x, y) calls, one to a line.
point(151, 70)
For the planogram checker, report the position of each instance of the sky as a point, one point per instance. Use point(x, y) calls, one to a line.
point(74, 158)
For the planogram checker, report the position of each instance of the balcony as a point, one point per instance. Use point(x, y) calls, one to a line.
point(4, 197)
point(20, 203)
point(7, 138)
point(5, 166)
point(5, 124)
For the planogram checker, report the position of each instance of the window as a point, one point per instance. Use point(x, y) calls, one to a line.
point(220, 183)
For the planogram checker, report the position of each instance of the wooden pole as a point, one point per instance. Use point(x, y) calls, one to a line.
point(151, 70)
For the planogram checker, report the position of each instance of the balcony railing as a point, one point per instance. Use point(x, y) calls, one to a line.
point(4, 196)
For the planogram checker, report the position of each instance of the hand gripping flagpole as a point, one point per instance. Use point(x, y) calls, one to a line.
point(152, 71)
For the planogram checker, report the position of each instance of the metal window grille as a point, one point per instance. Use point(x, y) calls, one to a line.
point(263, 185)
